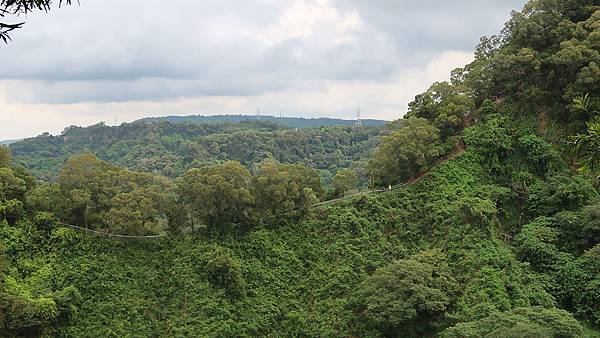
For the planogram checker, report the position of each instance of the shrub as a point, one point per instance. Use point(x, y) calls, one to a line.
point(520, 322)
point(224, 271)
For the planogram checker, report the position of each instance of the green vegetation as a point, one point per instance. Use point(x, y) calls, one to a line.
point(345, 180)
point(170, 149)
point(409, 295)
point(501, 239)
point(405, 152)
point(291, 122)
point(521, 322)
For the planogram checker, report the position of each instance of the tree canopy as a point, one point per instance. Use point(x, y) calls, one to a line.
point(113, 199)
point(217, 196)
point(408, 296)
point(405, 152)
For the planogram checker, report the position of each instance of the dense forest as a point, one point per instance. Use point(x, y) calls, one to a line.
point(170, 149)
point(291, 122)
point(8, 142)
point(487, 224)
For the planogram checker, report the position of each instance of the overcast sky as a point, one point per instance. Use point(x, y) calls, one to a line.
point(126, 59)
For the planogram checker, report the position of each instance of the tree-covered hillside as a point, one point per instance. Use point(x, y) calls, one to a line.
point(291, 122)
point(482, 221)
point(7, 142)
point(172, 148)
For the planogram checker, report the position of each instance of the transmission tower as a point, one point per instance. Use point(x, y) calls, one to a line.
point(359, 123)
point(258, 113)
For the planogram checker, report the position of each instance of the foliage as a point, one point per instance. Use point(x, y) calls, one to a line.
point(45, 221)
point(498, 240)
point(171, 149)
point(587, 146)
point(405, 152)
point(306, 277)
point(536, 243)
point(409, 295)
point(447, 106)
point(264, 120)
point(284, 191)
point(224, 271)
point(520, 322)
point(217, 196)
point(541, 155)
point(5, 156)
point(546, 56)
point(491, 139)
point(28, 307)
point(113, 199)
point(559, 192)
point(344, 181)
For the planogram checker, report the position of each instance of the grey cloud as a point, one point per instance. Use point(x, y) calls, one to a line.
point(435, 25)
point(114, 50)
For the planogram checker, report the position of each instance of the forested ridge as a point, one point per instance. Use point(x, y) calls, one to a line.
point(291, 122)
point(170, 149)
point(501, 239)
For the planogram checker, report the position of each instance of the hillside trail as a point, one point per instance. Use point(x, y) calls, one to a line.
point(459, 150)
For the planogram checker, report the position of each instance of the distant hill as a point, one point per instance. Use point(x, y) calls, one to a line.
point(172, 148)
point(7, 142)
point(291, 122)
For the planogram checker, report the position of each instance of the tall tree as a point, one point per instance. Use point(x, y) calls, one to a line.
point(5, 156)
point(409, 295)
point(344, 181)
point(217, 197)
point(115, 199)
point(449, 107)
point(546, 56)
point(405, 152)
point(285, 190)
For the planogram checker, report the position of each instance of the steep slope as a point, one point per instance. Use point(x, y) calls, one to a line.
point(297, 279)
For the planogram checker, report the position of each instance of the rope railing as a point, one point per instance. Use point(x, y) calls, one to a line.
point(107, 234)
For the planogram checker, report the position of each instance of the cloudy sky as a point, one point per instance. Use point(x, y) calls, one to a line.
point(107, 59)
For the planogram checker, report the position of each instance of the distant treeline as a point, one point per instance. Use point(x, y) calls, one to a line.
point(291, 122)
point(7, 142)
